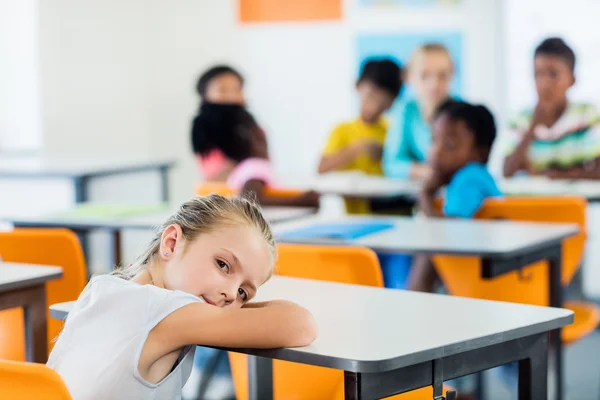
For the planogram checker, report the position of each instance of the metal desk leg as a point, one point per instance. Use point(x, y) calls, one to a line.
point(33, 302)
point(556, 300)
point(115, 249)
point(36, 327)
point(164, 184)
point(352, 386)
point(533, 372)
point(260, 378)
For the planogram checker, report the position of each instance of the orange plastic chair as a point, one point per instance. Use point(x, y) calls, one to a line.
point(462, 275)
point(206, 188)
point(55, 247)
point(30, 381)
point(221, 188)
point(353, 265)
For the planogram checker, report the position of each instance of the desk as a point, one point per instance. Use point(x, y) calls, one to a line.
point(503, 246)
point(144, 221)
point(353, 184)
point(542, 186)
point(358, 185)
point(79, 171)
point(23, 285)
point(413, 340)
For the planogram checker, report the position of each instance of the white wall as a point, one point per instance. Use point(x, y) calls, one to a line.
point(120, 75)
point(20, 128)
point(301, 76)
point(526, 27)
point(94, 76)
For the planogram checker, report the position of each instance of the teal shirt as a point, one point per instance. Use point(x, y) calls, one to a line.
point(408, 140)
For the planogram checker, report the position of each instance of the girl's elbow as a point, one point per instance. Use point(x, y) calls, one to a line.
point(306, 331)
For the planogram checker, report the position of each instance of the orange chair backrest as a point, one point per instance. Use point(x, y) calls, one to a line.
point(55, 247)
point(206, 188)
point(221, 188)
point(30, 381)
point(462, 277)
point(328, 263)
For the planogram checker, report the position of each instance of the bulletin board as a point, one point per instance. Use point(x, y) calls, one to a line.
point(257, 11)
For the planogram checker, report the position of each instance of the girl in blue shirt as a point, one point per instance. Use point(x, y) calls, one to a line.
point(430, 72)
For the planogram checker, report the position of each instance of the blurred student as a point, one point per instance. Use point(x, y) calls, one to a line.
point(558, 138)
point(430, 72)
point(219, 86)
point(462, 137)
point(357, 145)
point(252, 173)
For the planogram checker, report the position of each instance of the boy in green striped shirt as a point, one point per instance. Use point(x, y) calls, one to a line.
point(558, 139)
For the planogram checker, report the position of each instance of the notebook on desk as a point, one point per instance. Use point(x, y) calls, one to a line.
point(339, 230)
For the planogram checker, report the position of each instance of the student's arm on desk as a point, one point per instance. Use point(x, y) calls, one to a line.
point(428, 194)
point(344, 157)
point(272, 324)
point(577, 172)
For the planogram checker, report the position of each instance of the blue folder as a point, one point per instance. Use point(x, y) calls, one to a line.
point(339, 230)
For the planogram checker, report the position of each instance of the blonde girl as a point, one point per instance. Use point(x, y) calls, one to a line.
point(430, 71)
point(130, 335)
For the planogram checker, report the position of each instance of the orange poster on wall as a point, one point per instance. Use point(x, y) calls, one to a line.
point(289, 10)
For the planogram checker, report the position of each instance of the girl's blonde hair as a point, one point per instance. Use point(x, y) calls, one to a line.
point(201, 215)
point(427, 49)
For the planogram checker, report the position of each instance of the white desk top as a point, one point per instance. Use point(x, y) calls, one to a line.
point(356, 184)
point(500, 239)
point(542, 186)
point(142, 221)
point(366, 329)
point(15, 276)
point(71, 166)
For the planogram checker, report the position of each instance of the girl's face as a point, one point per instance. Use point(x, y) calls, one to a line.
point(553, 77)
point(225, 89)
point(224, 267)
point(430, 75)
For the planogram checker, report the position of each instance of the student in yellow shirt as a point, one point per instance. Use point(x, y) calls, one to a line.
point(357, 145)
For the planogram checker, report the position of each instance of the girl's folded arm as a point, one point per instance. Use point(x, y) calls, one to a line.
point(258, 325)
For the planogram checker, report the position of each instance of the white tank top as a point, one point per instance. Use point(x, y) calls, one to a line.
point(98, 351)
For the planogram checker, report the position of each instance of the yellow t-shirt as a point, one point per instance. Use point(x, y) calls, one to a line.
point(348, 133)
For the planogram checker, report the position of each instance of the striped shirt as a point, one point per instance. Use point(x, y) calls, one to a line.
point(573, 140)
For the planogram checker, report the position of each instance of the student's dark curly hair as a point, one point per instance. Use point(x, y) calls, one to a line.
point(211, 74)
point(558, 48)
point(227, 127)
point(383, 73)
point(478, 119)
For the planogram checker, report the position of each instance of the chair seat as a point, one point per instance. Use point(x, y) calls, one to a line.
point(587, 318)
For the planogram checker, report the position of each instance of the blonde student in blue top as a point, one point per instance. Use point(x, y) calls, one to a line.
point(130, 334)
point(406, 149)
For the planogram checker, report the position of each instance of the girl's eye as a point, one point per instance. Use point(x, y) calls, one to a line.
point(243, 294)
point(223, 266)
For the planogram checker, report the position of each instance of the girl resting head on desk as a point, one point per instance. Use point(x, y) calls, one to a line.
point(130, 334)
